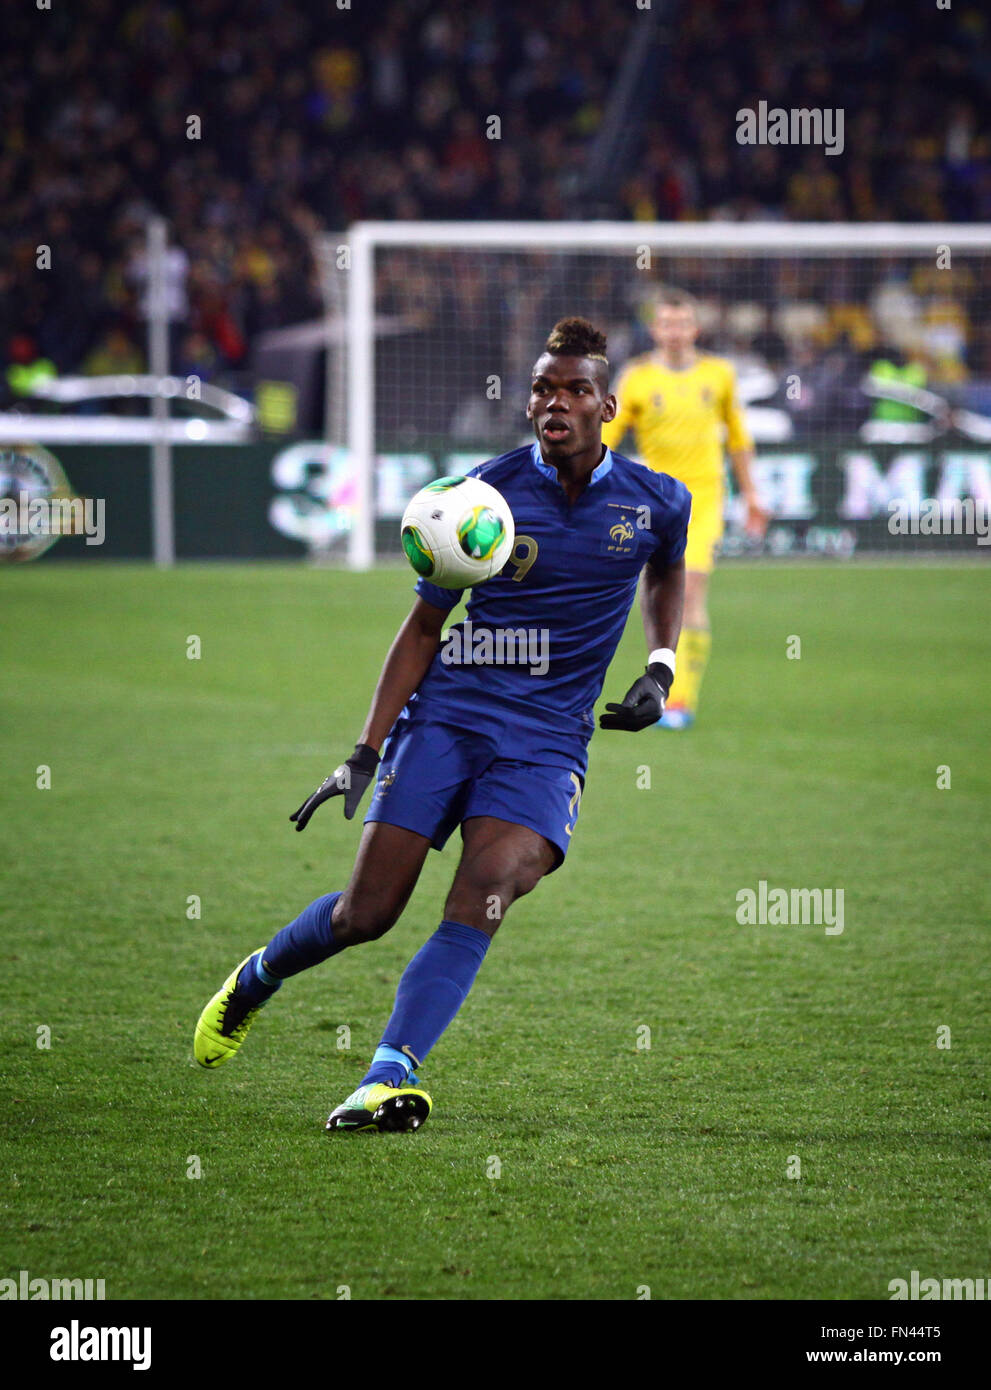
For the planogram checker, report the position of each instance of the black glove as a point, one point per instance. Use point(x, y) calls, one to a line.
point(643, 703)
point(349, 781)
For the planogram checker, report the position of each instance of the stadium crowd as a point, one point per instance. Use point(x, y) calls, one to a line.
point(253, 124)
point(913, 83)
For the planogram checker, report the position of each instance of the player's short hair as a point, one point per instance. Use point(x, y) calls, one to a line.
point(576, 338)
point(677, 299)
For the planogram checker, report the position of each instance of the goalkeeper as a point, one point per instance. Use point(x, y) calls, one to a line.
point(680, 404)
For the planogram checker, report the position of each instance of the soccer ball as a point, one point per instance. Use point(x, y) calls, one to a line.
point(458, 532)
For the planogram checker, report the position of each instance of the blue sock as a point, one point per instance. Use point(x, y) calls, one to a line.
point(433, 987)
point(306, 941)
point(255, 982)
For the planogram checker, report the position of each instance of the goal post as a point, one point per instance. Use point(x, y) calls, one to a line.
point(863, 353)
point(361, 395)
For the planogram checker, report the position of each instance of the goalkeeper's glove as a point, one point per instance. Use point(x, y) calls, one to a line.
point(349, 781)
point(643, 703)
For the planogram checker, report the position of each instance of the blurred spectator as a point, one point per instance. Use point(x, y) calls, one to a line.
point(251, 125)
point(115, 352)
point(25, 367)
point(196, 357)
point(897, 369)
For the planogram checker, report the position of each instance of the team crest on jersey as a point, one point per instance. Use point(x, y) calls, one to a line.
point(621, 537)
point(706, 395)
point(657, 401)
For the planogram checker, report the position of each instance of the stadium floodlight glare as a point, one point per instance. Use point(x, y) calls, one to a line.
point(444, 318)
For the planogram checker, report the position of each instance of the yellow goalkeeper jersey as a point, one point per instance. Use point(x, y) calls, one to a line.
point(681, 421)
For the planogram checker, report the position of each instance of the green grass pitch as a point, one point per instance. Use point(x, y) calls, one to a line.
point(619, 1167)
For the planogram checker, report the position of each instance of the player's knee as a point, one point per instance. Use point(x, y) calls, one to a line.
point(696, 615)
point(526, 879)
point(362, 919)
point(494, 883)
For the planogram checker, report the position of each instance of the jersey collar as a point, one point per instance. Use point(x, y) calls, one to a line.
point(596, 476)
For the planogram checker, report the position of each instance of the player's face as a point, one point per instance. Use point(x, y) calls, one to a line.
point(569, 403)
point(674, 328)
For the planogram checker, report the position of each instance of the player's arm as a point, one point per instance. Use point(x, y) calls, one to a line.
point(757, 517)
point(405, 666)
point(662, 601)
point(740, 448)
point(406, 663)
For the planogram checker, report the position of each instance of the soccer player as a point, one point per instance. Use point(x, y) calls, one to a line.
point(498, 749)
point(679, 403)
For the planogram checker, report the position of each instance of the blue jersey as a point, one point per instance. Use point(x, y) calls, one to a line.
point(540, 635)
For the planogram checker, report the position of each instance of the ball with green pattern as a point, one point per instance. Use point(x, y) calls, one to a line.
point(480, 532)
point(458, 532)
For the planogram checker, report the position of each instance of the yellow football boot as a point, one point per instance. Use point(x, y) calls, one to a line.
point(386, 1108)
point(223, 1025)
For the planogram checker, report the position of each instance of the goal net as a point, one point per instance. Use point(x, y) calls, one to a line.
point(862, 352)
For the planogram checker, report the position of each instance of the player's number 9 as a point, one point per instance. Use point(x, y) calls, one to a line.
point(523, 561)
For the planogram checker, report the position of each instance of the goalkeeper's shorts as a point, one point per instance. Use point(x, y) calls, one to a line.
point(705, 529)
point(434, 776)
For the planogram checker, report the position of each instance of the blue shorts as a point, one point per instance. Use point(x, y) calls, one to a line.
point(434, 775)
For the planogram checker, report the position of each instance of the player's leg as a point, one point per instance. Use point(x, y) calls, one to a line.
point(422, 770)
point(704, 531)
point(516, 825)
point(385, 873)
point(693, 654)
point(500, 862)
